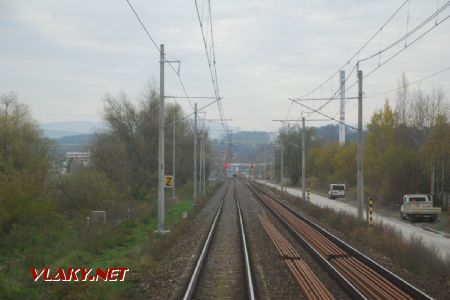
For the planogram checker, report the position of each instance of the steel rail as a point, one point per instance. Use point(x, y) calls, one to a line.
point(310, 284)
point(352, 290)
point(360, 263)
point(204, 253)
point(370, 283)
point(248, 270)
point(201, 259)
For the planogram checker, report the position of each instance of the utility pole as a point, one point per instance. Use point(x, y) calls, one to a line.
point(265, 164)
point(359, 172)
point(202, 155)
point(200, 186)
point(161, 174)
point(432, 182)
point(195, 155)
point(204, 165)
point(215, 164)
point(281, 167)
point(200, 167)
point(342, 110)
point(174, 195)
point(272, 173)
point(303, 160)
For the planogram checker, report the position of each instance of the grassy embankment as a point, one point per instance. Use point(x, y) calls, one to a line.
point(132, 244)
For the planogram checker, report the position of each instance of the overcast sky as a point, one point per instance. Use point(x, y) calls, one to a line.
point(62, 56)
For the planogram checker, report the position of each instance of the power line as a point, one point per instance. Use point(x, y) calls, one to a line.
point(411, 32)
point(403, 38)
point(407, 46)
point(337, 91)
point(182, 86)
point(198, 110)
point(320, 113)
point(191, 97)
point(410, 84)
point(143, 26)
point(157, 48)
point(214, 57)
point(213, 46)
point(396, 89)
point(206, 48)
point(380, 29)
point(357, 52)
point(211, 58)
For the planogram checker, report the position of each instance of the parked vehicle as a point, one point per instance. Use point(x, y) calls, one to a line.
point(419, 206)
point(337, 190)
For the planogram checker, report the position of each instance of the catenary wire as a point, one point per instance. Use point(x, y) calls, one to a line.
point(158, 49)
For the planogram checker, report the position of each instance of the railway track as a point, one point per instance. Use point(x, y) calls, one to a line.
point(360, 276)
point(223, 268)
point(310, 284)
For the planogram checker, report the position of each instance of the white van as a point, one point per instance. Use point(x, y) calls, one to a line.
point(337, 190)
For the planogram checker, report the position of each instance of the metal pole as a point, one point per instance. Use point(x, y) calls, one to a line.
point(342, 110)
point(195, 155)
point(200, 190)
point(303, 160)
point(432, 182)
point(204, 166)
point(174, 195)
point(214, 165)
point(265, 164)
point(200, 184)
point(281, 167)
point(359, 173)
point(272, 175)
point(161, 144)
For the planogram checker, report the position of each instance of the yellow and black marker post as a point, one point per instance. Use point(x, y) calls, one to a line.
point(308, 194)
point(370, 211)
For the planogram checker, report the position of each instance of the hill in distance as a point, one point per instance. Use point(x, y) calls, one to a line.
point(58, 130)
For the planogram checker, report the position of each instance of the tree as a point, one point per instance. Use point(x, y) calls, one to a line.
point(390, 166)
point(345, 165)
point(24, 166)
point(435, 152)
point(89, 189)
point(128, 151)
point(291, 140)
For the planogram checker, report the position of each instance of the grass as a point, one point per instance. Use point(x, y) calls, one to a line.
point(442, 223)
point(132, 243)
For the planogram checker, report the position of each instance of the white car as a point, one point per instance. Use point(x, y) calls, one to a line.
point(337, 190)
point(419, 206)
